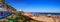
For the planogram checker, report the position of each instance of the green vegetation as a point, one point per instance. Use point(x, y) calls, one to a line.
point(21, 18)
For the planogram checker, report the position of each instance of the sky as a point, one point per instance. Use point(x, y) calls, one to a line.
point(35, 5)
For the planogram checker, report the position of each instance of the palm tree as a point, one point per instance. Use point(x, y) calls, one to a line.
point(10, 8)
point(2, 1)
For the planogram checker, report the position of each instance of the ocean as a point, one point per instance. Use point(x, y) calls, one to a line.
point(39, 13)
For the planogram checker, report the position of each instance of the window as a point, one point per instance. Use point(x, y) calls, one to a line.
point(0, 6)
point(1, 13)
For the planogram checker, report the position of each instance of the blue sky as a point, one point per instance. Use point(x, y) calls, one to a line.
point(35, 5)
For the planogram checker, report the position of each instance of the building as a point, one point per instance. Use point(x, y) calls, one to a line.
point(5, 10)
point(4, 7)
